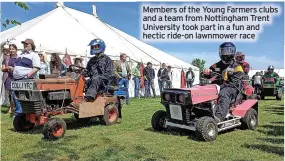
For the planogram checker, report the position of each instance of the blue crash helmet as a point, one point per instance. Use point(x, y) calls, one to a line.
point(227, 51)
point(100, 46)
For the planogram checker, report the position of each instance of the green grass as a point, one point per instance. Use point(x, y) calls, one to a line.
point(134, 139)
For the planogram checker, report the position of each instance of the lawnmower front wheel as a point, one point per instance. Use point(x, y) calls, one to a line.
point(54, 129)
point(158, 120)
point(206, 129)
point(21, 124)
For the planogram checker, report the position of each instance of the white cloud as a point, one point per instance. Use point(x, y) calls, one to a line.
point(256, 62)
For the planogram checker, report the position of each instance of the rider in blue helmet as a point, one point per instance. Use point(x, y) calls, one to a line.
point(231, 83)
point(99, 69)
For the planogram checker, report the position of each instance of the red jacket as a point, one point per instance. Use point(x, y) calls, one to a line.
point(245, 67)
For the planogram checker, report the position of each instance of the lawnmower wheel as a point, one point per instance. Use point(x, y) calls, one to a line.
point(21, 124)
point(111, 114)
point(250, 120)
point(158, 120)
point(206, 129)
point(279, 96)
point(82, 121)
point(54, 129)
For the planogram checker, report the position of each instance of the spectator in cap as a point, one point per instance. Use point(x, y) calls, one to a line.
point(78, 61)
point(149, 75)
point(26, 67)
point(28, 62)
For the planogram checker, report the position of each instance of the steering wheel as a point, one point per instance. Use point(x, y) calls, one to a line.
point(71, 69)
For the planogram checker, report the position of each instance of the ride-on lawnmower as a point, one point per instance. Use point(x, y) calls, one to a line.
point(194, 109)
point(52, 95)
point(271, 87)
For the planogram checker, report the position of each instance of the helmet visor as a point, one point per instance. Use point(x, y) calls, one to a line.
point(227, 51)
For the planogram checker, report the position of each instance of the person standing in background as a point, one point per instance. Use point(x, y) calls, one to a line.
point(45, 68)
point(56, 65)
point(78, 61)
point(159, 73)
point(170, 77)
point(6, 56)
point(10, 67)
point(137, 78)
point(123, 71)
point(149, 75)
point(190, 77)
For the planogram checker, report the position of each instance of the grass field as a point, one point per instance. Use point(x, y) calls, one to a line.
point(134, 139)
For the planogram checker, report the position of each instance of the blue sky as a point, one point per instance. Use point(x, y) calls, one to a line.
point(268, 50)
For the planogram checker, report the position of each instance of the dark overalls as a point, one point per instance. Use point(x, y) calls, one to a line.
point(230, 86)
point(100, 70)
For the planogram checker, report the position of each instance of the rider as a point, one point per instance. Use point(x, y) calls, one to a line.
point(99, 69)
point(232, 74)
point(240, 57)
point(270, 72)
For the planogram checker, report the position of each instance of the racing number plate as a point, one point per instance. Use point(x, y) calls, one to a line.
point(175, 112)
point(22, 85)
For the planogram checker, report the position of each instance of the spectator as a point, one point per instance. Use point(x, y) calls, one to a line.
point(261, 73)
point(164, 78)
point(45, 68)
point(78, 61)
point(137, 78)
point(26, 66)
point(56, 65)
point(190, 77)
point(257, 81)
point(6, 56)
point(123, 71)
point(159, 76)
point(11, 65)
point(149, 75)
point(170, 77)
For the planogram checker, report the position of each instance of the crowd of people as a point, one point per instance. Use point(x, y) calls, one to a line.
point(31, 64)
point(28, 64)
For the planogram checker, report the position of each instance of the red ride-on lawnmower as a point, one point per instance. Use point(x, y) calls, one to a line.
point(50, 96)
point(194, 108)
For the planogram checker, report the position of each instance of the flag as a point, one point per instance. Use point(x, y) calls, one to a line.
point(183, 79)
point(67, 60)
point(142, 77)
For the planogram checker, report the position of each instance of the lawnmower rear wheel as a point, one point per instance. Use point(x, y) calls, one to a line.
point(111, 114)
point(82, 121)
point(206, 129)
point(158, 120)
point(250, 120)
point(54, 129)
point(21, 124)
